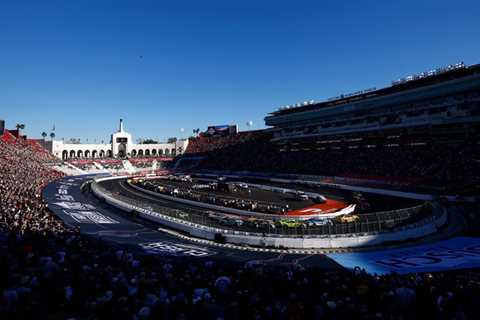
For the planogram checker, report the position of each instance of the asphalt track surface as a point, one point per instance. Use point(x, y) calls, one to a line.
point(255, 194)
point(94, 218)
point(377, 202)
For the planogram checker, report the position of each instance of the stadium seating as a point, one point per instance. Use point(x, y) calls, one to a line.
point(396, 160)
point(49, 271)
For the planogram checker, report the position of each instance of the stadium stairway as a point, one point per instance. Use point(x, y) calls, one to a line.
point(99, 166)
point(128, 166)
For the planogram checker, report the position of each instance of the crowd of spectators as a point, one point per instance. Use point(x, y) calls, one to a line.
point(74, 278)
point(117, 164)
point(23, 174)
point(408, 162)
point(148, 162)
point(203, 144)
point(48, 271)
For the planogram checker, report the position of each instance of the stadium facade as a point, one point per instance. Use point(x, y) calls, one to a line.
point(433, 102)
point(120, 146)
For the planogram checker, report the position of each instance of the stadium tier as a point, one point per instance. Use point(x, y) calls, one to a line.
point(451, 97)
point(420, 130)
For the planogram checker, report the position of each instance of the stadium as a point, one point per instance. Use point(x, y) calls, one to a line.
point(364, 205)
point(303, 190)
point(371, 179)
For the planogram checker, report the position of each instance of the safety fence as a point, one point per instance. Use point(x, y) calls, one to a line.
point(380, 222)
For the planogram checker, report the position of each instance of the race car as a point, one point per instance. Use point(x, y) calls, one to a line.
point(242, 185)
point(291, 223)
point(319, 222)
point(348, 218)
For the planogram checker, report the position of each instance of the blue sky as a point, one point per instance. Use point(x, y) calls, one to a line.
point(166, 65)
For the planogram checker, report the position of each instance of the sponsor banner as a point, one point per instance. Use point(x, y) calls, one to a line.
point(175, 249)
point(222, 130)
point(328, 207)
point(79, 212)
point(455, 253)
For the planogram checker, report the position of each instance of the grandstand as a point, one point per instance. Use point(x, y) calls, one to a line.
point(47, 263)
point(411, 132)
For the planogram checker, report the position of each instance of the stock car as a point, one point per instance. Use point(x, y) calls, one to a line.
point(242, 185)
point(318, 222)
point(225, 220)
point(292, 223)
point(260, 223)
point(347, 218)
point(183, 215)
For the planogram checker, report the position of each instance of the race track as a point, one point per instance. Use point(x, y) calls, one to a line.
point(94, 218)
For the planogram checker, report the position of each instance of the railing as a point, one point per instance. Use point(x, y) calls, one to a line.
point(374, 223)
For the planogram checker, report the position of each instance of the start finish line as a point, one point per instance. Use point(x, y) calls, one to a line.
point(451, 254)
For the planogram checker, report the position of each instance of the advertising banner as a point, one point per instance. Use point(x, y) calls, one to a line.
point(455, 253)
point(222, 130)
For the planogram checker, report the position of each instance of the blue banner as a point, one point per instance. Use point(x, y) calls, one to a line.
point(455, 253)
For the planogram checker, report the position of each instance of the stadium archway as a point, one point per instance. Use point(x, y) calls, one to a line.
point(140, 153)
point(102, 154)
point(160, 152)
point(154, 152)
point(72, 154)
point(79, 154)
point(64, 155)
point(109, 153)
point(147, 153)
point(122, 150)
point(87, 153)
point(134, 153)
point(167, 152)
point(94, 154)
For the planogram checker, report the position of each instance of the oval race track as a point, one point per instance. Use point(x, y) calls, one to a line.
point(94, 218)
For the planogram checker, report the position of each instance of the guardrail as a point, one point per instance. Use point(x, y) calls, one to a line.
point(373, 222)
point(175, 219)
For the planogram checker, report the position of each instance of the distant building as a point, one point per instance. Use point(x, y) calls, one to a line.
point(121, 146)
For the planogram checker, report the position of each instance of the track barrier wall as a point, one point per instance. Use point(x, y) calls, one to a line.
point(298, 240)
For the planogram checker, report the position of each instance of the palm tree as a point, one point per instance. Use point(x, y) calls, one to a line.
point(19, 126)
point(52, 135)
point(44, 136)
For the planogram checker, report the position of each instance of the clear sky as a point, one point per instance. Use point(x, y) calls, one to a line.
point(166, 65)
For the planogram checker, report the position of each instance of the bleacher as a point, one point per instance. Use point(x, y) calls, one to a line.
point(396, 158)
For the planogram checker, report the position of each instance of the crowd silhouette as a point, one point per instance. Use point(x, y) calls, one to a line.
point(50, 271)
